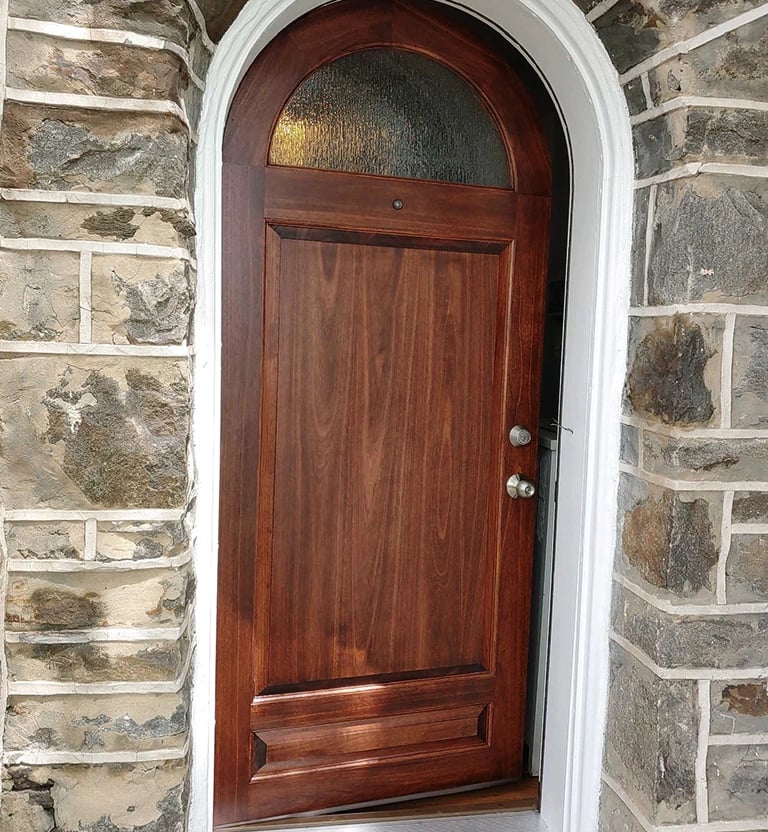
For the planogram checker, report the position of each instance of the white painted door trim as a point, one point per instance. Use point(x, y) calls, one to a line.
point(569, 57)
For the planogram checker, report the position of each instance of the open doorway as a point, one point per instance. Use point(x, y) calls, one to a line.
point(570, 57)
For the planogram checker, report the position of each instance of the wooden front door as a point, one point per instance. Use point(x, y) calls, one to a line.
point(382, 318)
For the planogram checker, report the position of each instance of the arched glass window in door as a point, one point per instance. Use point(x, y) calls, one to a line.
point(391, 112)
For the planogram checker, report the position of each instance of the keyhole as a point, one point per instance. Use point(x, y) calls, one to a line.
point(397, 204)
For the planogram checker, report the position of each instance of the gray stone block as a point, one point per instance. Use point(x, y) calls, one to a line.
point(674, 369)
point(87, 222)
point(750, 373)
point(706, 460)
point(614, 815)
point(739, 707)
point(635, 95)
point(630, 443)
point(657, 145)
point(67, 149)
point(750, 507)
point(727, 135)
point(651, 739)
point(680, 641)
point(737, 777)
point(630, 33)
point(747, 569)
point(142, 661)
point(26, 811)
point(710, 242)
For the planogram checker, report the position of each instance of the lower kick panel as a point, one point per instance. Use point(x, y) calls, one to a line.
point(364, 741)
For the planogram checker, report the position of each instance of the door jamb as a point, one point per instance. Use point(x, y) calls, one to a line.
point(572, 62)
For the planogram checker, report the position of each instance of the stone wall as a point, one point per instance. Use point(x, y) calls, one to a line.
point(97, 287)
point(687, 733)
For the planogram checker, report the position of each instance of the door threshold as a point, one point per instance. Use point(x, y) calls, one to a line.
point(521, 796)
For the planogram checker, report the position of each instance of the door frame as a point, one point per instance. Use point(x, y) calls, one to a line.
point(568, 56)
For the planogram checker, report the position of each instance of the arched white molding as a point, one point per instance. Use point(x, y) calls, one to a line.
point(584, 84)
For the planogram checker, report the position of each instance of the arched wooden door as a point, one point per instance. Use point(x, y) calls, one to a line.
point(386, 203)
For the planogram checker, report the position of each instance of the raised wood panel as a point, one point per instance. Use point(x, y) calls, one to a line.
point(342, 742)
point(384, 445)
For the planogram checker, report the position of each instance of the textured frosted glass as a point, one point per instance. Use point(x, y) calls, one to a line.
point(392, 113)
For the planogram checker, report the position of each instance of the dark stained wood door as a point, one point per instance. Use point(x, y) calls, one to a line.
point(381, 336)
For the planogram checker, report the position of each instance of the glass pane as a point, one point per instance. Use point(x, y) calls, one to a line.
point(393, 113)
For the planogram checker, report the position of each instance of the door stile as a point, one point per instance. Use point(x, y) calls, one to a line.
point(525, 347)
point(242, 296)
point(267, 445)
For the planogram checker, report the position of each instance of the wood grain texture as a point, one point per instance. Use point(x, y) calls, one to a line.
point(372, 569)
point(383, 451)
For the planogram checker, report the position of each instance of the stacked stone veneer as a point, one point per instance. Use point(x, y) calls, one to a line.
point(687, 733)
point(97, 286)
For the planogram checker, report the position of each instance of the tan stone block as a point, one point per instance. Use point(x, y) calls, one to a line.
point(45, 541)
point(26, 811)
point(116, 152)
point(670, 539)
point(137, 797)
point(74, 601)
point(141, 301)
point(39, 296)
point(98, 223)
point(737, 777)
point(95, 662)
point(86, 431)
point(134, 540)
point(97, 723)
point(51, 65)
point(170, 19)
point(732, 66)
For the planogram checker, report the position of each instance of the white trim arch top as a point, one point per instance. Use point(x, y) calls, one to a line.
point(565, 51)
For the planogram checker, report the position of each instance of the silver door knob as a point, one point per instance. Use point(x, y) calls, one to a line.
point(518, 487)
point(520, 436)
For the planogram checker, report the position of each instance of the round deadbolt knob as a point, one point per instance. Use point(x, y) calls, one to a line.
point(518, 487)
point(520, 436)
